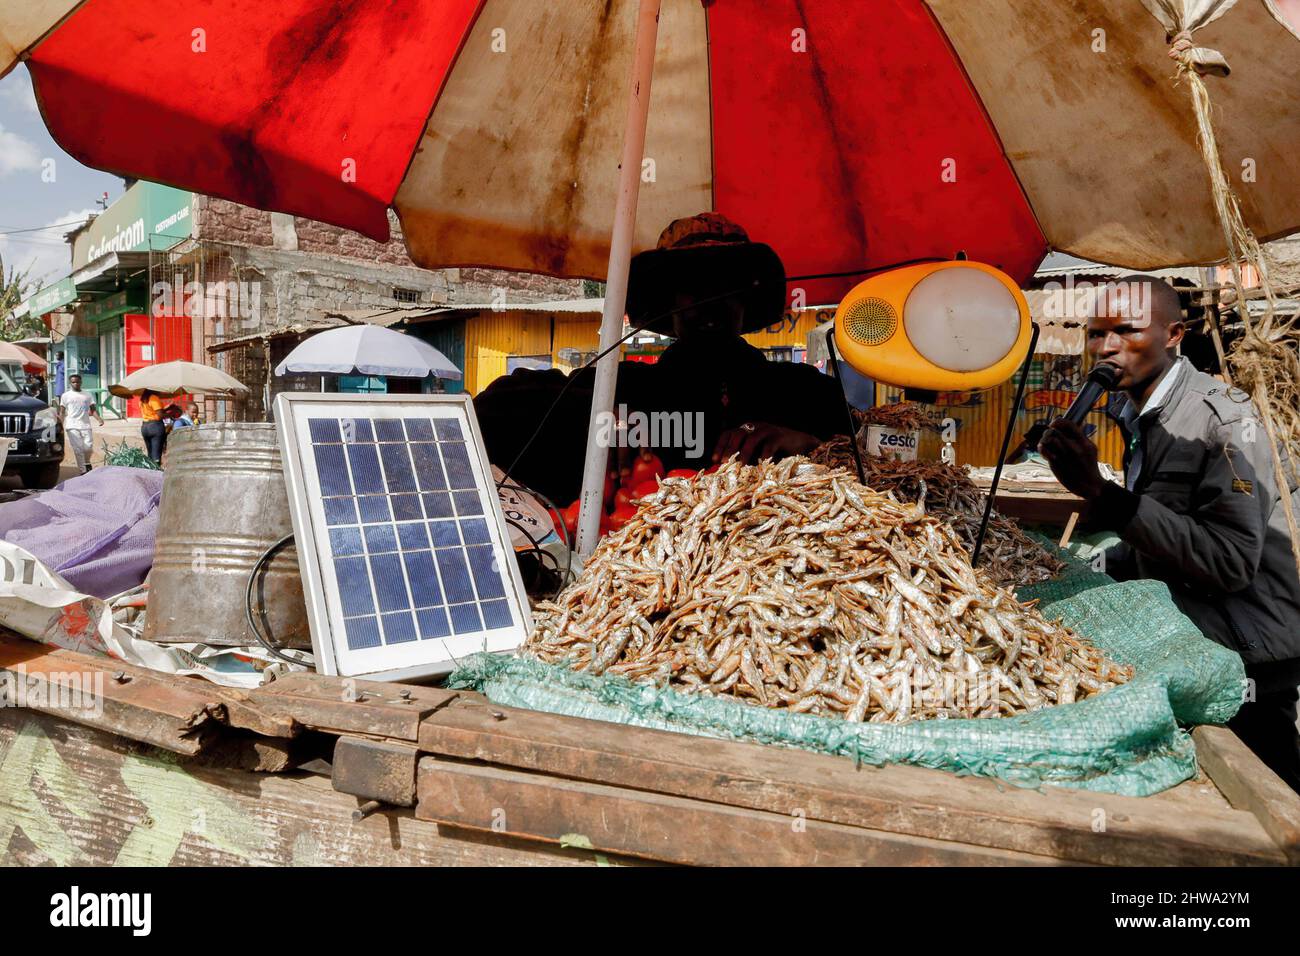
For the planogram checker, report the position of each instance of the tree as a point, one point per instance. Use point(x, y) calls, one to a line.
point(14, 288)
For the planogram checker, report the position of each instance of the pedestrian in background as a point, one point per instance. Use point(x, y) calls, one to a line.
point(155, 426)
point(76, 409)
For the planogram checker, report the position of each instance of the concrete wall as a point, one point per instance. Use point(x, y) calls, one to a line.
point(307, 265)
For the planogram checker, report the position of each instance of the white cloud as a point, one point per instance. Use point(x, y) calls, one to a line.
point(17, 154)
point(16, 88)
point(43, 251)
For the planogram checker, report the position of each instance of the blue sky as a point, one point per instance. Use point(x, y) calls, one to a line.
point(27, 201)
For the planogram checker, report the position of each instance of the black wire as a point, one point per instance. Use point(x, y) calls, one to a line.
point(248, 601)
point(564, 535)
point(866, 272)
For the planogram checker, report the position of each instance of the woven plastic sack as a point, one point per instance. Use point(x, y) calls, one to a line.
point(1126, 741)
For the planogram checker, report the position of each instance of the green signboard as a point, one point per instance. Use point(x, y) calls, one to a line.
point(148, 216)
point(52, 297)
point(128, 300)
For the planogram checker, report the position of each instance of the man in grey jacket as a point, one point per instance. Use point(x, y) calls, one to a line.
point(1201, 510)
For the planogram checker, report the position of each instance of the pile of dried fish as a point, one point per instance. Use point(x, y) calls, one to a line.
point(905, 416)
point(790, 585)
point(1009, 555)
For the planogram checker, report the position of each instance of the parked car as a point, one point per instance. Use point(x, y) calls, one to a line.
point(36, 452)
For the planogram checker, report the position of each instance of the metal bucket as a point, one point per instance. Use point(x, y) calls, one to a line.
point(223, 504)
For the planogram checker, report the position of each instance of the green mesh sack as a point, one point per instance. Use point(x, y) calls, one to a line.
point(1127, 740)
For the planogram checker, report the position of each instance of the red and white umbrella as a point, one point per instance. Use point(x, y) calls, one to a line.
point(848, 134)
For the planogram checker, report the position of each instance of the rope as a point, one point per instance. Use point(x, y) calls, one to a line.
point(1264, 361)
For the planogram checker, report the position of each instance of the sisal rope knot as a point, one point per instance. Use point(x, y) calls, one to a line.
point(1181, 44)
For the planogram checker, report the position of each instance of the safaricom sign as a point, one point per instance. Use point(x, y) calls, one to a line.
point(122, 240)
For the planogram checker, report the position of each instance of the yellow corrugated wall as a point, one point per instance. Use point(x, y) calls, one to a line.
point(581, 334)
point(492, 336)
point(792, 330)
point(982, 416)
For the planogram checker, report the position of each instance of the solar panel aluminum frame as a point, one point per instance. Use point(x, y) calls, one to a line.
point(333, 657)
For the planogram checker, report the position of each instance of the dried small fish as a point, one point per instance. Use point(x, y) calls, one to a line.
point(789, 585)
point(1009, 555)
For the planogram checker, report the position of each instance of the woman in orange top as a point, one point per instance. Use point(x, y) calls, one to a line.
point(155, 427)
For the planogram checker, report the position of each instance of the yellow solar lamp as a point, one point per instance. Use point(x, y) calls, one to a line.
point(939, 326)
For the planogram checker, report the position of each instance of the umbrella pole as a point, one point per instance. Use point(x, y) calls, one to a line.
point(620, 257)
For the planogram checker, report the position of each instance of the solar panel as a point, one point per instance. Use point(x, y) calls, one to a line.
point(404, 552)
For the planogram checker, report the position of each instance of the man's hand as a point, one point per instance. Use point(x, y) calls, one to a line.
point(1073, 458)
point(754, 441)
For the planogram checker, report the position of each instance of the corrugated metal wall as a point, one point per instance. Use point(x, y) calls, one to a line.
point(490, 337)
point(448, 338)
point(581, 334)
point(981, 417)
point(792, 331)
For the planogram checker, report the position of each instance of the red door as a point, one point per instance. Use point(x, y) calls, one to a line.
point(169, 340)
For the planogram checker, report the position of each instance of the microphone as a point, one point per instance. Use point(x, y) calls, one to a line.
point(1101, 379)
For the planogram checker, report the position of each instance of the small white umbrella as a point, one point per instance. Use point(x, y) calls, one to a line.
point(368, 350)
point(174, 378)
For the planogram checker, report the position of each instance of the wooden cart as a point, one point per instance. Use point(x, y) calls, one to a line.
point(311, 769)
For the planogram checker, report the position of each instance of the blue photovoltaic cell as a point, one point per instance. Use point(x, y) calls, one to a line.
point(412, 537)
point(358, 430)
point(398, 628)
point(362, 632)
point(437, 504)
point(324, 431)
point(428, 465)
point(354, 586)
point(397, 468)
point(366, 476)
point(456, 461)
point(432, 622)
point(380, 538)
point(390, 585)
point(455, 575)
point(374, 508)
point(333, 470)
point(345, 541)
point(464, 618)
point(496, 614)
point(423, 577)
point(408, 532)
point(340, 511)
point(407, 508)
point(444, 534)
point(418, 429)
point(486, 577)
point(467, 503)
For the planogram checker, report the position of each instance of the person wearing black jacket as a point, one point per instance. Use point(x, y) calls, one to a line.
point(1201, 510)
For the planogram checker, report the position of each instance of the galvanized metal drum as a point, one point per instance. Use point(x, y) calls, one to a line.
point(223, 505)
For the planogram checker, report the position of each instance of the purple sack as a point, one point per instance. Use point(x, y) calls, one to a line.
point(96, 530)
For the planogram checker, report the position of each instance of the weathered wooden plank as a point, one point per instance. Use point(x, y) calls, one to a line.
point(1250, 785)
point(376, 770)
point(347, 705)
point(187, 698)
point(70, 795)
point(670, 829)
point(1056, 822)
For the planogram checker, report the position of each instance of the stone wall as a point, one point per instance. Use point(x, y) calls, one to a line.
point(332, 268)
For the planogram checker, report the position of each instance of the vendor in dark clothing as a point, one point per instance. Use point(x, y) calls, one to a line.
point(706, 285)
point(1201, 510)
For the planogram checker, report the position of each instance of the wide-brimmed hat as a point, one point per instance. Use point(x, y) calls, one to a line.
point(708, 257)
